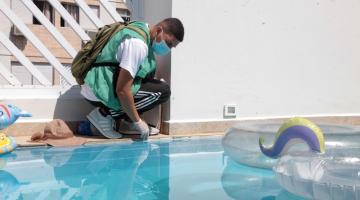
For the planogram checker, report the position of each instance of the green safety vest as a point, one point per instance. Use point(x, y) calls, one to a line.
point(101, 78)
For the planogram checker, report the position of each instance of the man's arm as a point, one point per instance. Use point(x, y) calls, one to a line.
point(123, 90)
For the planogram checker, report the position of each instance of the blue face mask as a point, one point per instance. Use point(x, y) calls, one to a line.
point(160, 48)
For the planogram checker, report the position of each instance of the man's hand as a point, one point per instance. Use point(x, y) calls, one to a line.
point(143, 129)
point(134, 128)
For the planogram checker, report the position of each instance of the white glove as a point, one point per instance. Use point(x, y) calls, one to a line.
point(143, 129)
point(134, 128)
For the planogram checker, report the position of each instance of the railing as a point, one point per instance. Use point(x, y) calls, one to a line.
point(41, 47)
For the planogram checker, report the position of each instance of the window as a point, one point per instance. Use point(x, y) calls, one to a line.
point(46, 9)
point(95, 9)
point(73, 10)
point(124, 13)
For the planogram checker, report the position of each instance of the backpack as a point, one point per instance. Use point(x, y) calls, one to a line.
point(85, 58)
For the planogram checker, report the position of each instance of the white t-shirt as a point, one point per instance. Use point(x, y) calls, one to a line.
point(131, 53)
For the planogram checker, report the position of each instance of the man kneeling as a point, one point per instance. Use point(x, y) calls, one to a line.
point(126, 91)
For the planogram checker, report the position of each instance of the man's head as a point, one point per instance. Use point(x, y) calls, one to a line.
point(166, 35)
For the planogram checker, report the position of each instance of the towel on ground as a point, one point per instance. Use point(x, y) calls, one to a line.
point(57, 133)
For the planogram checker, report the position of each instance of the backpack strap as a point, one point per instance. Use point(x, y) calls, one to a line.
point(128, 26)
point(140, 32)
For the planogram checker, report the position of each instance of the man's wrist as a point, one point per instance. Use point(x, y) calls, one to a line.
point(138, 122)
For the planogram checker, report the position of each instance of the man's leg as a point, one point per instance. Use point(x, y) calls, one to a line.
point(100, 118)
point(102, 108)
point(151, 93)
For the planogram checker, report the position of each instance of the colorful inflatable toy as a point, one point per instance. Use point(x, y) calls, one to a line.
point(302, 168)
point(293, 131)
point(9, 114)
point(7, 144)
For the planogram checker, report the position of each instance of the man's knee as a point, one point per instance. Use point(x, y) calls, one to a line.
point(166, 92)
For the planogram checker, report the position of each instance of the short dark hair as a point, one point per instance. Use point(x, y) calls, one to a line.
point(174, 27)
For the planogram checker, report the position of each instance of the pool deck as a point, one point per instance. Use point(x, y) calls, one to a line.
point(23, 131)
point(24, 141)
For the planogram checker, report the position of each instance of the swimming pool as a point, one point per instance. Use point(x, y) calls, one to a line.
point(183, 168)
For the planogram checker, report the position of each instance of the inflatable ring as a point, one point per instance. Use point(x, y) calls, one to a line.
point(250, 183)
point(333, 175)
point(7, 144)
point(330, 175)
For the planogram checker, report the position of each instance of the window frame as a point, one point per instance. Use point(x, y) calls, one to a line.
point(35, 21)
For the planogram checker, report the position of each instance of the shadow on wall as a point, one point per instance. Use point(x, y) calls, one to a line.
point(72, 107)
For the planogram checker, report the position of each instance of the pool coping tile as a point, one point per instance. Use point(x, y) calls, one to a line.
point(24, 141)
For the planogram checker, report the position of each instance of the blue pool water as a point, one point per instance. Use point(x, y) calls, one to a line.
point(184, 168)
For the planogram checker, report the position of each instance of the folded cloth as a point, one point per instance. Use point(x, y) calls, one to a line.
point(57, 133)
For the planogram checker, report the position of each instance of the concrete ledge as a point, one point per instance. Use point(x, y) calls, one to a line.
point(24, 141)
point(179, 128)
point(26, 129)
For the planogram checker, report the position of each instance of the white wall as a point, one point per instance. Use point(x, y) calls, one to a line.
point(272, 58)
point(153, 12)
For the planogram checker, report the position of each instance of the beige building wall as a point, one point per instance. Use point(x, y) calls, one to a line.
point(42, 33)
point(5, 56)
point(21, 11)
